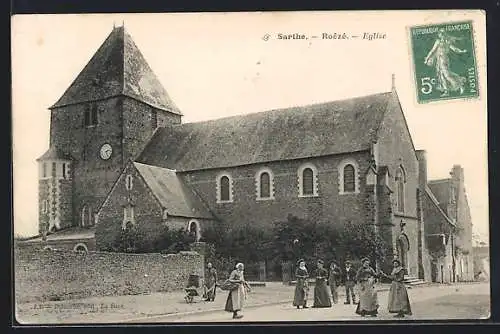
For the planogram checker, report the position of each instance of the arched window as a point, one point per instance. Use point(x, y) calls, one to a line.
point(44, 167)
point(194, 229)
point(308, 180)
point(85, 216)
point(94, 115)
point(128, 215)
point(129, 182)
point(154, 119)
point(86, 116)
point(400, 189)
point(349, 181)
point(224, 188)
point(264, 183)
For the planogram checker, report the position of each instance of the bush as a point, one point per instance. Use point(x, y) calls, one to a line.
point(298, 238)
point(134, 240)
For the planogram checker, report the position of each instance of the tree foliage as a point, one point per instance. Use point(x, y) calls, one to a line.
point(133, 239)
point(299, 238)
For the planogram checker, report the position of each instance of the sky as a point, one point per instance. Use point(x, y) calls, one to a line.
point(219, 64)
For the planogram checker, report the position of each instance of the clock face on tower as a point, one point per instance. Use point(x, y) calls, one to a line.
point(106, 151)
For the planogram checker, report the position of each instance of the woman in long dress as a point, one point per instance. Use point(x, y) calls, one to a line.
point(211, 283)
point(321, 296)
point(368, 298)
point(399, 302)
point(302, 287)
point(439, 57)
point(237, 296)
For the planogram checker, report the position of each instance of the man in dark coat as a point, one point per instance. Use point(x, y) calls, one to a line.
point(349, 276)
point(334, 280)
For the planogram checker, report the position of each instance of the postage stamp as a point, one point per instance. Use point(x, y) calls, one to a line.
point(444, 61)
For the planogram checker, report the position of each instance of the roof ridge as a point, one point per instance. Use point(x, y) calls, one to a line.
point(434, 200)
point(288, 109)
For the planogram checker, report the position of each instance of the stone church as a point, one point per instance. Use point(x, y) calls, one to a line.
point(121, 156)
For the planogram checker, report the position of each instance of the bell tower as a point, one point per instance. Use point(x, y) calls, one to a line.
point(105, 117)
point(54, 191)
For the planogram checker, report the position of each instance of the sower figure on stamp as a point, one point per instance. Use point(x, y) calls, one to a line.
point(439, 57)
point(302, 287)
point(399, 302)
point(368, 298)
point(211, 283)
point(349, 282)
point(333, 281)
point(321, 297)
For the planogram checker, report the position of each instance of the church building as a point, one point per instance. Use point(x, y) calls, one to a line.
point(121, 156)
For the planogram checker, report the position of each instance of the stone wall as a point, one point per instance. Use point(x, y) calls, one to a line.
point(138, 126)
point(60, 275)
point(147, 211)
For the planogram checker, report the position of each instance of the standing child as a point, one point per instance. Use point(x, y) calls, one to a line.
point(349, 282)
point(333, 281)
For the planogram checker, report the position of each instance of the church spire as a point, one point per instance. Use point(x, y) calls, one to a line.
point(118, 68)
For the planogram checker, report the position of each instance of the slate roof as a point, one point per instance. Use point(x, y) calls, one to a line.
point(435, 202)
point(70, 233)
point(172, 193)
point(118, 68)
point(441, 190)
point(284, 134)
point(53, 154)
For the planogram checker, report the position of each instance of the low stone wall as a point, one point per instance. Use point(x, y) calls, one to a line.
point(60, 275)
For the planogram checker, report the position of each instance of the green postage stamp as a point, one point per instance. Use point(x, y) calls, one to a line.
point(444, 61)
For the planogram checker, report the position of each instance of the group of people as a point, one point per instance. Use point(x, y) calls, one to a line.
point(365, 279)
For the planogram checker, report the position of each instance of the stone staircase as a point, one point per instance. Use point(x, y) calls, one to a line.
point(413, 281)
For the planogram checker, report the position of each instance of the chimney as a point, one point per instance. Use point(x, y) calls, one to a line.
point(393, 83)
point(422, 169)
point(457, 173)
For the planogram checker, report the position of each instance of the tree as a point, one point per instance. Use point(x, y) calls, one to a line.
point(173, 241)
point(359, 240)
point(302, 238)
point(244, 243)
point(133, 239)
point(326, 240)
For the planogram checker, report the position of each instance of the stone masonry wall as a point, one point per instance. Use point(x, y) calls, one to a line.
point(60, 275)
point(329, 205)
point(138, 126)
point(147, 211)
